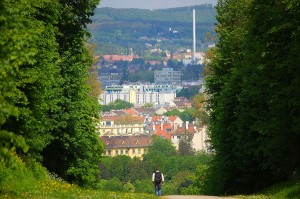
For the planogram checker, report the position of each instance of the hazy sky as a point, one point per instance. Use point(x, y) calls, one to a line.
point(152, 4)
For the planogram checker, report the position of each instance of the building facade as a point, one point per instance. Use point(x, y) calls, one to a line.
point(132, 146)
point(114, 126)
point(167, 76)
point(139, 95)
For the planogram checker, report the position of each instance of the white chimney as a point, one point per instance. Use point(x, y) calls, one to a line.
point(194, 36)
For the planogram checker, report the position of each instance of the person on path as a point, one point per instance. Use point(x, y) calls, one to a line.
point(158, 180)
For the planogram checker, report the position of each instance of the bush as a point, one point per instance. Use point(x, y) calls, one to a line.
point(144, 186)
point(168, 189)
point(128, 187)
point(114, 184)
point(18, 177)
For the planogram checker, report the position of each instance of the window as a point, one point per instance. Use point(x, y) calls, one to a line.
point(108, 152)
point(117, 152)
point(133, 151)
point(139, 151)
point(121, 151)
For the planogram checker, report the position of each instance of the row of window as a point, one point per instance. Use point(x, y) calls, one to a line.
point(122, 151)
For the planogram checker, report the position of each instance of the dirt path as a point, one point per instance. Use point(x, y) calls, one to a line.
point(196, 197)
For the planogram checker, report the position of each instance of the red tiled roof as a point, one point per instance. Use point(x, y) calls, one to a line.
point(135, 141)
point(172, 118)
point(113, 58)
point(145, 110)
point(163, 130)
point(130, 111)
point(119, 112)
point(179, 103)
point(182, 130)
point(156, 118)
point(116, 119)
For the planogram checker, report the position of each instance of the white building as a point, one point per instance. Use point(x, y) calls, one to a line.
point(138, 95)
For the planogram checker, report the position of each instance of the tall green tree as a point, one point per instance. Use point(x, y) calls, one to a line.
point(158, 151)
point(251, 82)
point(276, 44)
point(76, 140)
point(29, 74)
point(46, 103)
point(231, 139)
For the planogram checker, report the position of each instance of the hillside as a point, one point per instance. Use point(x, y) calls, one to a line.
point(124, 29)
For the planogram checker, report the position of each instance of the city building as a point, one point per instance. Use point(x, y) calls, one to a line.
point(167, 76)
point(132, 146)
point(139, 95)
point(121, 125)
point(109, 77)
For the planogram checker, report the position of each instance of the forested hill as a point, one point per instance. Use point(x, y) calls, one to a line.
point(124, 28)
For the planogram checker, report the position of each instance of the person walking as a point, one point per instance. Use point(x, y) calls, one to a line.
point(158, 180)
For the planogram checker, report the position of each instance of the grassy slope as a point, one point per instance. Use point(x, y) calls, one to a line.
point(31, 180)
point(290, 190)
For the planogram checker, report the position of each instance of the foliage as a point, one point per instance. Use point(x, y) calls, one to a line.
point(93, 70)
point(251, 83)
point(20, 178)
point(180, 171)
point(185, 147)
point(148, 105)
point(200, 106)
point(144, 186)
point(46, 105)
point(191, 72)
point(144, 76)
point(186, 115)
point(117, 105)
point(31, 180)
point(189, 92)
point(197, 185)
point(128, 187)
point(160, 148)
point(122, 29)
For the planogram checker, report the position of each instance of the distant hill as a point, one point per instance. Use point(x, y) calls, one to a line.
point(117, 31)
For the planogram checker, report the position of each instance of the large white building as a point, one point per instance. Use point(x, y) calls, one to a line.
point(139, 95)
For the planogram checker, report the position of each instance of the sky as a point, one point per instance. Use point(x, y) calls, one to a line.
point(152, 4)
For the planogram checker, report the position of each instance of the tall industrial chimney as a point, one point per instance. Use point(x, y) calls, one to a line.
point(194, 37)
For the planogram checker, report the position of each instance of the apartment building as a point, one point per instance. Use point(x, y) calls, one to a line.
point(139, 95)
point(167, 76)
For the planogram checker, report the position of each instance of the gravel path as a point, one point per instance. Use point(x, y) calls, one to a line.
point(196, 197)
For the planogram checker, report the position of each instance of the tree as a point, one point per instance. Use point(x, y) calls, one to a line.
point(223, 85)
point(186, 115)
point(185, 147)
point(250, 79)
point(118, 104)
point(48, 106)
point(189, 92)
point(158, 151)
point(120, 167)
point(92, 80)
point(148, 105)
point(137, 165)
point(200, 105)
